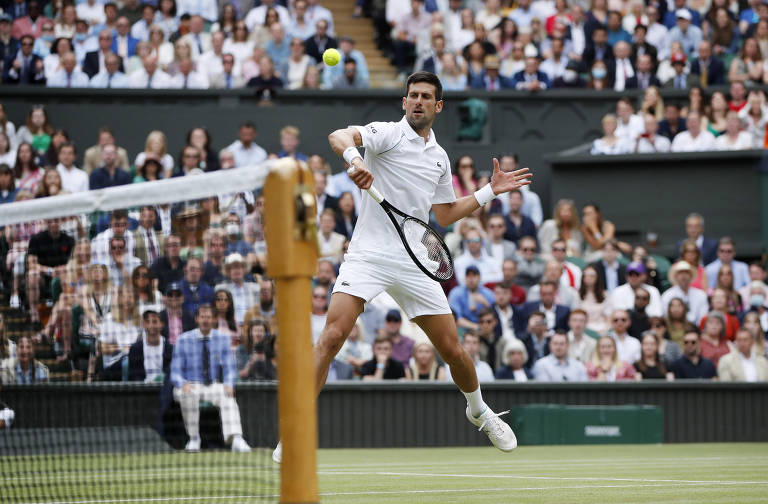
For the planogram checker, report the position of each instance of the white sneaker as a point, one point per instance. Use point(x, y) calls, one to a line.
point(277, 455)
point(193, 445)
point(498, 431)
point(239, 445)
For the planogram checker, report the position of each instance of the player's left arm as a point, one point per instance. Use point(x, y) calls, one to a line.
point(501, 182)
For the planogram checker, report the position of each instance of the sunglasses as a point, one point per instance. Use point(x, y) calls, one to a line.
point(643, 298)
point(474, 240)
point(526, 249)
point(689, 342)
point(558, 249)
point(620, 320)
point(175, 294)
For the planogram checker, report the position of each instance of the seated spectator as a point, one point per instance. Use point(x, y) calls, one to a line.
point(694, 139)
point(668, 350)
point(672, 123)
point(316, 45)
point(203, 368)
point(490, 79)
point(558, 366)
point(714, 344)
point(196, 292)
point(109, 173)
point(689, 253)
point(644, 77)
point(143, 284)
point(581, 345)
point(517, 223)
point(235, 243)
point(424, 365)
point(530, 78)
point(709, 69)
point(610, 143)
point(570, 77)
point(755, 116)
point(48, 251)
point(467, 300)
point(120, 263)
point(610, 271)
point(747, 67)
point(556, 314)
point(597, 232)
point(504, 312)
point(623, 69)
point(683, 24)
point(639, 320)
point(681, 274)
point(719, 302)
point(744, 364)
point(149, 359)
point(250, 357)
point(330, 243)
point(245, 294)
point(715, 119)
point(402, 346)
point(175, 319)
point(267, 80)
point(651, 141)
point(726, 254)
point(475, 255)
point(169, 267)
point(266, 308)
point(383, 366)
point(491, 341)
point(555, 65)
point(676, 320)
point(565, 294)
point(681, 79)
point(120, 329)
point(23, 368)
point(571, 273)
point(692, 365)
point(319, 314)
point(650, 366)
point(513, 359)
point(694, 230)
point(606, 365)
point(224, 316)
point(24, 67)
point(346, 217)
point(453, 75)
point(627, 346)
point(594, 301)
point(471, 345)
point(598, 49)
point(757, 277)
point(563, 225)
point(93, 157)
point(734, 138)
point(407, 30)
point(69, 76)
point(356, 351)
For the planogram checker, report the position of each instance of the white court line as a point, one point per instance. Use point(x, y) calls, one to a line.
point(373, 492)
point(554, 478)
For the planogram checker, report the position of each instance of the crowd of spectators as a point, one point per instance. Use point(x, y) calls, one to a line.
point(724, 122)
point(549, 300)
point(175, 45)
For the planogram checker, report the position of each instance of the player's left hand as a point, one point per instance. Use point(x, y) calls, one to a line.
point(502, 182)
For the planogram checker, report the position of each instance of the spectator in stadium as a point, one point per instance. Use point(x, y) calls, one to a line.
point(8, 189)
point(346, 218)
point(187, 77)
point(514, 359)
point(726, 253)
point(650, 141)
point(714, 344)
point(350, 79)
point(196, 292)
point(224, 316)
point(610, 271)
point(464, 179)
point(744, 364)
point(715, 118)
point(558, 366)
point(424, 365)
point(623, 69)
point(24, 368)
point(50, 185)
point(594, 301)
point(258, 15)
point(514, 60)
point(681, 275)
point(565, 295)
point(668, 350)
point(92, 158)
point(382, 366)
point(692, 365)
point(453, 74)
point(214, 252)
point(245, 150)
point(609, 143)
point(267, 79)
point(709, 70)
point(238, 44)
point(197, 39)
point(245, 294)
point(149, 76)
point(581, 345)
point(69, 76)
point(330, 242)
point(149, 358)
point(755, 115)
point(755, 321)
point(530, 265)
point(203, 368)
point(491, 340)
point(564, 225)
point(597, 232)
point(475, 255)
point(26, 170)
point(556, 314)
point(123, 44)
point(95, 61)
point(489, 79)
point(111, 76)
point(650, 366)
point(747, 66)
point(347, 49)
point(719, 302)
point(681, 78)
point(598, 48)
point(757, 277)
point(503, 310)
point(644, 77)
point(570, 77)
point(694, 139)
point(530, 78)
point(639, 319)
point(108, 174)
point(146, 295)
point(316, 45)
point(676, 320)
point(734, 138)
point(7, 415)
point(120, 329)
point(555, 65)
point(156, 146)
point(518, 224)
point(627, 346)
point(118, 227)
point(169, 267)
point(295, 67)
point(148, 242)
point(652, 103)
point(496, 246)
point(607, 365)
point(685, 30)
point(252, 347)
point(319, 315)
point(732, 303)
point(120, 262)
point(690, 253)
point(24, 67)
point(356, 351)
point(7, 153)
point(694, 230)
point(409, 27)
point(266, 308)
point(175, 319)
point(48, 251)
point(468, 299)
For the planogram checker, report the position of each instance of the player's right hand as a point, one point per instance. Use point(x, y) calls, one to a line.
point(360, 174)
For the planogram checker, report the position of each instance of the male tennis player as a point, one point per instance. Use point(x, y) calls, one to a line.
point(413, 173)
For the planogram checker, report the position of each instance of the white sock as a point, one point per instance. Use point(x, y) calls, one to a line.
point(475, 402)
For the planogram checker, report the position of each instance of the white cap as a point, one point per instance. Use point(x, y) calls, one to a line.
point(683, 14)
point(531, 52)
point(234, 258)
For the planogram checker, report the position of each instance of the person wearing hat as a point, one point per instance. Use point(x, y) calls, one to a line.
point(530, 78)
point(687, 33)
point(623, 296)
point(681, 275)
point(244, 294)
point(468, 299)
point(149, 358)
point(489, 79)
point(672, 15)
point(681, 79)
point(174, 319)
point(402, 346)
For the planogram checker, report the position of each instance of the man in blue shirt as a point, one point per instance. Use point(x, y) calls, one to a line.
point(692, 365)
point(203, 369)
point(196, 292)
point(466, 301)
point(557, 367)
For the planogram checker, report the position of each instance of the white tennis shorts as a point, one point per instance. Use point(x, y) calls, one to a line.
point(415, 292)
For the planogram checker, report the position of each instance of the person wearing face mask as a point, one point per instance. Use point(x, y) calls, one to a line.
point(234, 242)
point(598, 76)
point(570, 77)
point(757, 301)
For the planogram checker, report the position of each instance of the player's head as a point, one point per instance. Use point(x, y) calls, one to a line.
point(423, 99)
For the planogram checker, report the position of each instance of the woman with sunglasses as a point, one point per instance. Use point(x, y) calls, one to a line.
point(669, 350)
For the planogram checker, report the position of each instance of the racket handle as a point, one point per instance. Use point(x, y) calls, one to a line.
point(375, 194)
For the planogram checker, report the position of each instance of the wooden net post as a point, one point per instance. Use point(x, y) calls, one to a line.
point(291, 233)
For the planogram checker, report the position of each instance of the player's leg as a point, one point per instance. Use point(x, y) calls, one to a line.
point(342, 314)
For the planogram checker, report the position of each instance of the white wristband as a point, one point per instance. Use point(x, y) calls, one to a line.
point(350, 153)
point(484, 195)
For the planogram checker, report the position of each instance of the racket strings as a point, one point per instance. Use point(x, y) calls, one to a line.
point(428, 248)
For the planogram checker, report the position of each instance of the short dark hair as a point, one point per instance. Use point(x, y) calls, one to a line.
point(249, 125)
point(485, 312)
point(68, 144)
point(427, 77)
point(692, 329)
point(119, 214)
point(204, 306)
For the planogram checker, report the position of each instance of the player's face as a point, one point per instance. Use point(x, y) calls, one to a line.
point(421, 105)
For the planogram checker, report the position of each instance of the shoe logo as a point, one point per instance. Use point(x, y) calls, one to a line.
point(345, 284)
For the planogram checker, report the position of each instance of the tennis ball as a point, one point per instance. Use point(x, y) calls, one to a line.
point(331, 57)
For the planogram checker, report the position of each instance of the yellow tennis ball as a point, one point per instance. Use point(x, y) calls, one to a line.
point(331, 57)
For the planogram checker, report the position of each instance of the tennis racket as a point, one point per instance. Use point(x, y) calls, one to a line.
point(423, 244)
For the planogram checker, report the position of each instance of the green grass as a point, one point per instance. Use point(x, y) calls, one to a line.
point(690, 473)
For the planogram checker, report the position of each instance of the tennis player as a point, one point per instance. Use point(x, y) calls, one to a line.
point(413, 173)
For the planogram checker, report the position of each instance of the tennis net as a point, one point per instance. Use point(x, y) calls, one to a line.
point(124, 325)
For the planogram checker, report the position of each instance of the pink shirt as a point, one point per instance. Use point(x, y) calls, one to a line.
point(174, 328)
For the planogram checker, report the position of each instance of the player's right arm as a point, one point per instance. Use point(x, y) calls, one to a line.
point(343, 139)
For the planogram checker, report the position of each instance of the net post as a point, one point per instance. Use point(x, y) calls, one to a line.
point(291, 231)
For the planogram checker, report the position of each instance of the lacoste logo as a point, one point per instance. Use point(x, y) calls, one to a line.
point(345, 284)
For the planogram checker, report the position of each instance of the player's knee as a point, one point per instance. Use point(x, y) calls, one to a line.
point(452, 354)
point(332, 339)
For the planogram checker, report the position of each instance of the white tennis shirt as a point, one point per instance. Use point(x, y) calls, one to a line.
point(410, 174)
